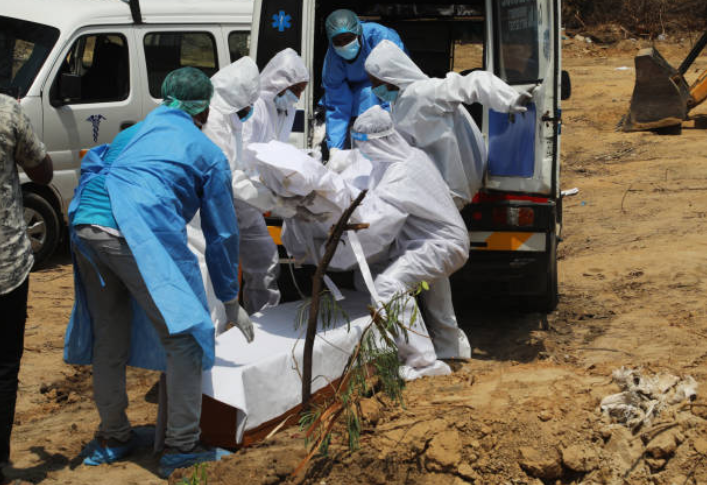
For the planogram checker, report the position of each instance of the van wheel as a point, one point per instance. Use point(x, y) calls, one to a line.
point(43, 228)
point(547, 300)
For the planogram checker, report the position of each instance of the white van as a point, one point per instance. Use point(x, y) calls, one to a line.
point(85, 69)
point(515, 221)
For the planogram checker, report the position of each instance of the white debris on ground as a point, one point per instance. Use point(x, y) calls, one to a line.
point(643, 397)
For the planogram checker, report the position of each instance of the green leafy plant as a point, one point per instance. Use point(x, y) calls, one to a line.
point(373, 363)
point(198, 476)
point(373, 366)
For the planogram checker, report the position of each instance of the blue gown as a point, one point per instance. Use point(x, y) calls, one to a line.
point(167, 172)
point(347, 86)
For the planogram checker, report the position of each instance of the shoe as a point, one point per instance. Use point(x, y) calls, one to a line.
point(100, 452)
point(174, 458)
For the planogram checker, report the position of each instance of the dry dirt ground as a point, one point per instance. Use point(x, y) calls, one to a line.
point(525, 409)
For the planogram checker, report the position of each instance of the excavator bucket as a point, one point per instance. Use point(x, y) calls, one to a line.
point(660, 97)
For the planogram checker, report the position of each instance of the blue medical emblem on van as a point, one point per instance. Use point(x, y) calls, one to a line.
point(96, 122)
point(281, 21)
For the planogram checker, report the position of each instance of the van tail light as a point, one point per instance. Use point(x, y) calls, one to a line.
point(513, 216)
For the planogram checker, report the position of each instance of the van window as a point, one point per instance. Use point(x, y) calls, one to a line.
point(238, 44)
point(100, 65)
point(517, 60)
point(24, 46)
point(167, 51)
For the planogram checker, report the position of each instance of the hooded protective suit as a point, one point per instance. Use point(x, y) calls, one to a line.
point(269, 122)
point(347, 86)
point(430, 115)
point(236, 87)
point(416, 235)
point(262, 267)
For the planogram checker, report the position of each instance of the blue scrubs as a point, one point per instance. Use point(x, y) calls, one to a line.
point(166, 173)
point(347, 86)
point(95, 207)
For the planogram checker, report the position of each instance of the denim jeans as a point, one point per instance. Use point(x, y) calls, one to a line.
point(13, 308)
point(111, 312)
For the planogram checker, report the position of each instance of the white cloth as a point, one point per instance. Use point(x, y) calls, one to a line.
point(290, 172)
point(268, 123)
point(430, 115)
point(261, 380)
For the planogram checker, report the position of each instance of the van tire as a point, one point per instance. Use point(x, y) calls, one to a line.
point(43, 227)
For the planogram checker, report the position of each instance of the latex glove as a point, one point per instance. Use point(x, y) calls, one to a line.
point(520, 105)
point(238, 317)
point(340, 161)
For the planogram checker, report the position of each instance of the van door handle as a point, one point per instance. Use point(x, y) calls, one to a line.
point(126, 124)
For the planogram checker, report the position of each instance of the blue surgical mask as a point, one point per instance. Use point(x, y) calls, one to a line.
point(386, 94)
point(286, 101)
point(348, 51)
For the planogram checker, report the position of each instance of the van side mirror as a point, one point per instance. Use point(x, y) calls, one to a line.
point(566, 86)
point(69, 88)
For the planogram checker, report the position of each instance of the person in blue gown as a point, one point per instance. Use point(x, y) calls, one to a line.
point(140, 299)
point(347, 86)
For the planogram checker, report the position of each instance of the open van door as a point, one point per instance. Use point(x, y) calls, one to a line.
point(277, 26)
point(515, 222)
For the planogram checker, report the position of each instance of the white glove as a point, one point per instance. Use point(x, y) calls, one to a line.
point(520, 105)
point(238, 317)
point(339, 160)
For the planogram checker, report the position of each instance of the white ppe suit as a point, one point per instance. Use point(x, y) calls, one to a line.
point(235, 87)
point(260, 259)
point(430, 115)
point(416, 234)
point(269, 122)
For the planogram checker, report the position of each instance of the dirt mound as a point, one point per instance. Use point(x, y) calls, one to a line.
point(491, 429)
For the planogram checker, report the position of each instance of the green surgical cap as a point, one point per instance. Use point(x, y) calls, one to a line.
point(343, 22)
point(187, 89)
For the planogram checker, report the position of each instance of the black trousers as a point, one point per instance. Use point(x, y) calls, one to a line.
point(13, 315)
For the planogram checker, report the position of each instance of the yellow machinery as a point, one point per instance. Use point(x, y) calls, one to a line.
point(662, 99)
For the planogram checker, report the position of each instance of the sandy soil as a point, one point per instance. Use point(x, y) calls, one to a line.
point(525, 409)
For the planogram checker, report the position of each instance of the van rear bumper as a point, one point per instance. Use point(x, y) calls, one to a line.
point(501, 273)
point(506, 259)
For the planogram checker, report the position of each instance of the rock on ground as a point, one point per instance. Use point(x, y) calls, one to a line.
point(540, 464)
